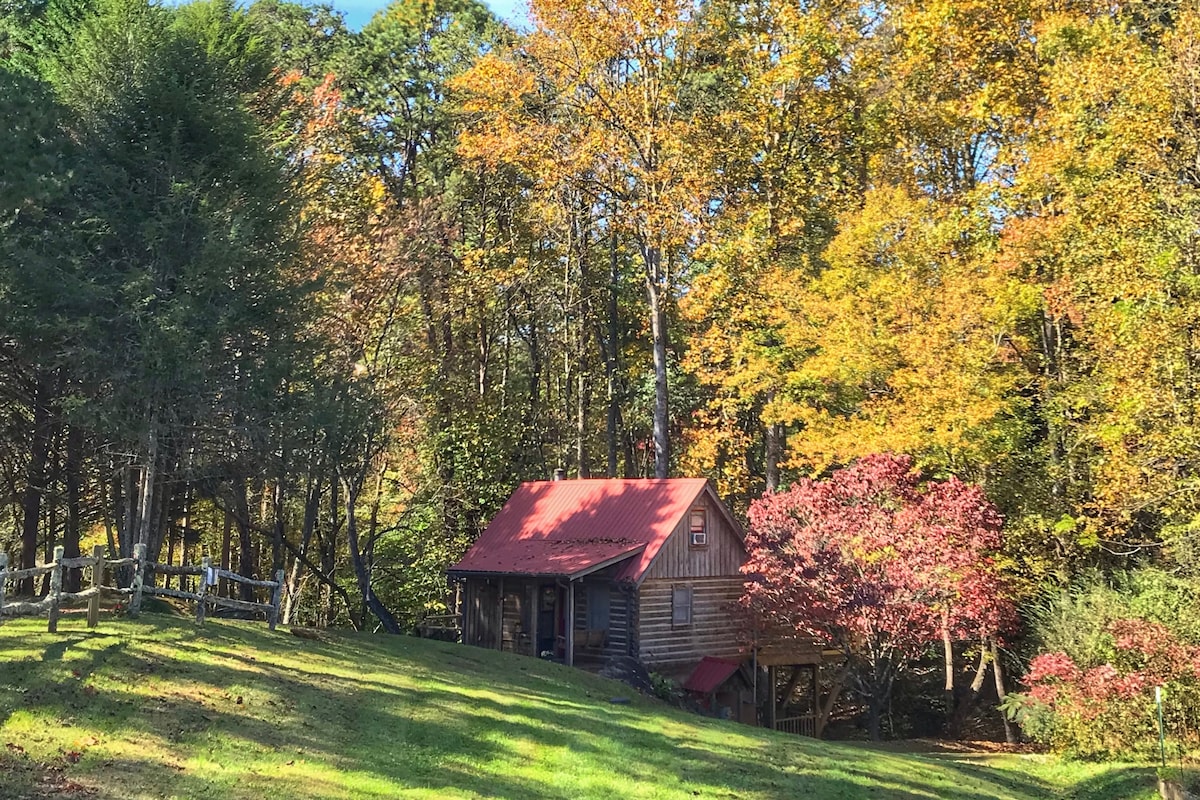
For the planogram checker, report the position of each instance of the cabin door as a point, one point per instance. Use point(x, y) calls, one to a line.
point(547, 618)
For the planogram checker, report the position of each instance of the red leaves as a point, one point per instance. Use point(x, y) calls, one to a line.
point(1148, 655)
point(873, 553)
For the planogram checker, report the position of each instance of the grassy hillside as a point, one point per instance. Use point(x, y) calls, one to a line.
point(156, 708)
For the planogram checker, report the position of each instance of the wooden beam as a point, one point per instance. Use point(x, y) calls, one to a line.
point(813, 691)
point(3, 579)
point(56, 581)
point(534, 607)
point(569, 622)
point(771, 697)
point(500, 615)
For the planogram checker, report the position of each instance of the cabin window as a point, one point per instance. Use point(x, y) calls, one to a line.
point(681, 605)
point(699, 528)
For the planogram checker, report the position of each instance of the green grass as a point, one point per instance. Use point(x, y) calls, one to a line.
point(157, 708)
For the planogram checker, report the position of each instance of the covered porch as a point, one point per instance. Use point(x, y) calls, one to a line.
point(793, 702)
point(572, 617)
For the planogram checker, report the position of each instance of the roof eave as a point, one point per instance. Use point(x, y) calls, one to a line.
point(576, 575)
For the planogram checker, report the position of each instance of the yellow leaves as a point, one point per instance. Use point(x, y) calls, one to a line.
point(912, 324)
point(590, 99)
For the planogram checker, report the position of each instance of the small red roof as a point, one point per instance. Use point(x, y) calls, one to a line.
point(709, 674)
point(570, 528)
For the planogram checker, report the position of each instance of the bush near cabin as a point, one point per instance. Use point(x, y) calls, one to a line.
point(1106, 646)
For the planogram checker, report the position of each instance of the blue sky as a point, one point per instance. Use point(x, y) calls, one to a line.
point(359, 11)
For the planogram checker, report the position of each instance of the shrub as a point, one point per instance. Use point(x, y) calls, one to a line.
point(1106, 647)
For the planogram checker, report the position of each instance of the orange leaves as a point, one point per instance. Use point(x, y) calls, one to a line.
point(496, 94)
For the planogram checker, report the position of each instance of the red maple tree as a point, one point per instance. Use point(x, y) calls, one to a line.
point(880, 564)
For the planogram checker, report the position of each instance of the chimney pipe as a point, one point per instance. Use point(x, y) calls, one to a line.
point(560, 474)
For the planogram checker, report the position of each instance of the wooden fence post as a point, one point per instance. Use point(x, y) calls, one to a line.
point(205, 565)
point(97, 582)
point(276, 594)
point(3, 580)
point(139, 578)
point(56, 576)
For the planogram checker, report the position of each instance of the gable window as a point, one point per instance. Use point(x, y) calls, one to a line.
point(681, 605)
point(698, 526)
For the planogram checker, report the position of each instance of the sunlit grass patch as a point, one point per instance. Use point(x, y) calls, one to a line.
point(158, 708)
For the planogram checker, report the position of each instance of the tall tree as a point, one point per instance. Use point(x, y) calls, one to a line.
point(600, 94)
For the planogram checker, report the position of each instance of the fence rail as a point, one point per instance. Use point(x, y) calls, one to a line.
point(98, 565)
point(803, 725)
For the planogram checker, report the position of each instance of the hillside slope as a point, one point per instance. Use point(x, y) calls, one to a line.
point(156, 708)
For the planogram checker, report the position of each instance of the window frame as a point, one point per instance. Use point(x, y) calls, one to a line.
point(678, 591)
point(702, 532)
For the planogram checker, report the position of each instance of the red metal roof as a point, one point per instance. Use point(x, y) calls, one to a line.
point(573, 527)
point(709, 674)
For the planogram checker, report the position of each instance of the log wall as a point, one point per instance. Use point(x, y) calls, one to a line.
point(713, 631)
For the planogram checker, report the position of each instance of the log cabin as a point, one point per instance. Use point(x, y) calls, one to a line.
point(591, 569)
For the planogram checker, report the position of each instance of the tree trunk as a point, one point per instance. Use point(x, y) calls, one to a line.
point(146, 503)
point(658, 332)
point(1010, 732)
point(948, 664)
point(360, 568)
point(875, 709)
point(241, 515)
point(277, 530)
point(110, 509)
point(129, 533)
point(226, 553)
point(773, 447)
point(968, 701)
point(171, 556)
point(312, 507)
point(329, 555)
point(611, 351)
point(164, 503)
point(581, 402)
point(50, 500)
point(825, 710)
point(786, 695)
point(878, 693)
point(35, 477)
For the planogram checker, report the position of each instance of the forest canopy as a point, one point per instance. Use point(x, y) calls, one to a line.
point(308, 298)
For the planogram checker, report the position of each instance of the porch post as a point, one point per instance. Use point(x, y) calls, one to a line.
point(569, 620)
point(500, 621)
point(771, 699)
point(534, 609)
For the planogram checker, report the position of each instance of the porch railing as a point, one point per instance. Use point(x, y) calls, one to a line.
point(803, 725)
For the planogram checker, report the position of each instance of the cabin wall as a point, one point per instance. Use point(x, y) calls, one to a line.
point(481, 613)
point(713, 631)
point(490, 623)
point(722, 556)
point(514, 627)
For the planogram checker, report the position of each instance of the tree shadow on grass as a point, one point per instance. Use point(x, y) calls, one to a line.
point(447, 722)
point(1123, 782)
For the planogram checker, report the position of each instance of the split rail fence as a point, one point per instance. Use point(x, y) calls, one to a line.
point(55, 599)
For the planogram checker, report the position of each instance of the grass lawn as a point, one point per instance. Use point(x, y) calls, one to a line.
point(158, 708)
